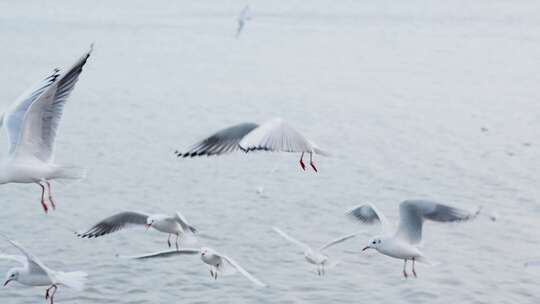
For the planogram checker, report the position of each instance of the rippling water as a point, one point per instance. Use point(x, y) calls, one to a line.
point(398, 91)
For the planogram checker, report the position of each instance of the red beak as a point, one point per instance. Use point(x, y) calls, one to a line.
point(366, 248)
point(6, 282)
point(148, 226)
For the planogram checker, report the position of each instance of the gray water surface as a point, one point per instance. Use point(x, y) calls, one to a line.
point(397, 91)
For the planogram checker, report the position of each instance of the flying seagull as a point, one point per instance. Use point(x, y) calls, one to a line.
point(31, 125)
point(405, 242)
point(244, 16)
point(316, 257)
point(172, 224)
point(275, 135)
point(34, 273)
point(217, 262)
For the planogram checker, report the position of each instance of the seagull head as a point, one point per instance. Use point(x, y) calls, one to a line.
point(12, 275)
point(149, 222)
point(374, 243)
point(205, 251)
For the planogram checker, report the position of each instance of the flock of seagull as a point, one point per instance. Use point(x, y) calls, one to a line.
point(31, 124)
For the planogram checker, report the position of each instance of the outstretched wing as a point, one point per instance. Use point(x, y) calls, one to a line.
point(339, 240)
point(34, 264)
point(369, 214)
point(164, 254)
point(184, 223)
point(14, 117)
point(243, 271)
point(276, 135)
point(115, 223)
point(413, 212)
point(224, 141)
point(42, 115)
point(289, 238)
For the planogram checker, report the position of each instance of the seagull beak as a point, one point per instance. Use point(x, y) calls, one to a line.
point(148, 226)
point(6, 282)
point(366, 248)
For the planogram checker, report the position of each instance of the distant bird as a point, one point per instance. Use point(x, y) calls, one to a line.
point(34, 273)
point(274, 135)
point(484, 129)
point(405, 242)
point(217, 262)
point(172, 224)
point(315, 257)
point(31, 125)
point(244, 16)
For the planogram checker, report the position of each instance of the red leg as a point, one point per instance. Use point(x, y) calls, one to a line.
point(405, 269)
point(302, 162)
point(413, 271)
point(311, 162)
point(45, 208)
point(50, 195)
point(54, 292)
point(169, 241)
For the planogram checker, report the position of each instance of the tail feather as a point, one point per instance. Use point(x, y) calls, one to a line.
point(75, 280)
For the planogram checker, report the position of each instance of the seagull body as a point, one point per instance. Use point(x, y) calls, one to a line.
point(35, 273)
point(31, 125)
point(174, 224)
point(275, 135)
point(315, 257)
point(405, 242)
point(217, 262)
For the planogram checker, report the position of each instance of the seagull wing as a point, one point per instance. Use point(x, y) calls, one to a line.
point(37, 118)
point(289, 238)
point(412, 214)
point(164, 254)
point(276, 135)
point(34, 264)
point(224, 141)
point(14, 118)
point(339, 240)
point(369, 214)
point(184, 223)
point(242, 271)
point(115, 223)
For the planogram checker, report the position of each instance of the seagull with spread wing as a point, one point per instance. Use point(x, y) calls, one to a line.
point(174, 224)
point(244, 16)
point(315, 257)
point(405, 242)
point(34, 273)
point(217, 262)
point(275, 135)
point(31, 125)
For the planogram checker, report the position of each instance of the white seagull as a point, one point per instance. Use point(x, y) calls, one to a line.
point(405, 242)
point(275, 135)
point(217, 262)
point(31, 125)
point(244, 16)
point(316, 257)
point(35, 273)
point(172, 224)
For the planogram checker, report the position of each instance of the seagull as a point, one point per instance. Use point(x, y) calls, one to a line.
point(315, 257)
point(244, 16)
point(217, 262)
point(405, 242)
point(31, 125)
point(35, 273)
point(172, 224)
point(273, 135)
